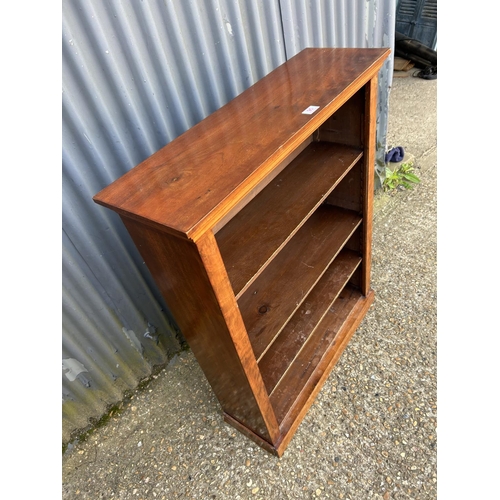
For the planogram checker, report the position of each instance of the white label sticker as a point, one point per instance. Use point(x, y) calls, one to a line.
point(310, 110)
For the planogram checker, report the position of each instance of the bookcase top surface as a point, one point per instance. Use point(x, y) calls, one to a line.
point(190, 184)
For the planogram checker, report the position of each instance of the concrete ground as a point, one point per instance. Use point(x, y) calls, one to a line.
point(371, 433)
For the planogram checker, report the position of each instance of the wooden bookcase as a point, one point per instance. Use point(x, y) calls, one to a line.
point(256, 225)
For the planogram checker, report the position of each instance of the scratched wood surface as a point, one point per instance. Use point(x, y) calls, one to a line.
point(321, 342)
point(274, 296)
point(308, 316)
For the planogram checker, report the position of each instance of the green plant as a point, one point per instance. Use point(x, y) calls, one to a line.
point(401, 176)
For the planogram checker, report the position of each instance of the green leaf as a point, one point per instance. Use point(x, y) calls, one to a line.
point(411, 177)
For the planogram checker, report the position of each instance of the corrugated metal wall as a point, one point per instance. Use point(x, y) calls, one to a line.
point(136, 74)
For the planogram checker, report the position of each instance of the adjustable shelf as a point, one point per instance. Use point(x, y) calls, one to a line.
point(290, 341)
point(257, 233)
point(256, 226)
point(275, 295)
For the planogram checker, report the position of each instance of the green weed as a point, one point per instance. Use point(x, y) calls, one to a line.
point(402, 176)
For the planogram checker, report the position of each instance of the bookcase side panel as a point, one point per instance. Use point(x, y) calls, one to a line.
point(216, 272)
point(370, 122)
point(180, 274)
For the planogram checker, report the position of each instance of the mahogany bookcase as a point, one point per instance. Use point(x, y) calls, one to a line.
point(256, 225)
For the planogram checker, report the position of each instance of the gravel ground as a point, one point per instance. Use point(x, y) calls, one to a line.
point(371, 433)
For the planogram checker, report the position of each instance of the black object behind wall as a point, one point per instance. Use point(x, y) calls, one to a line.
point(417, 19)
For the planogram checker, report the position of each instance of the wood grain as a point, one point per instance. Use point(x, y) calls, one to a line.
point(348, 193)
point(274, 296)
point(306, 371)
point(345, 126)
point(371, 90)
point(298, 330)
point(259, 231)
point(307, 395)
point(209, 321)
point(190, 184)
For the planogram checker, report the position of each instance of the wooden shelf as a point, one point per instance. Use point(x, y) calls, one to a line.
point(258, 232)
point(325, 344)
point(288, 345)
point(267, 305)
point(256, 227)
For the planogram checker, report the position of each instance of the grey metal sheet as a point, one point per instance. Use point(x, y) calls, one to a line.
point(135, 76)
